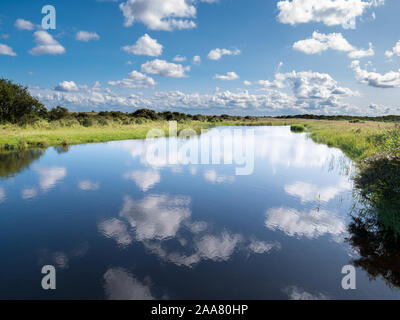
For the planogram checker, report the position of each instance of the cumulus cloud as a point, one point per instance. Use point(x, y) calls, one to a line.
point(135, 80)
point(160, 14)
point(67, 86)
point(259, 247)
point(196, 60)
point(22, 24)
point(329, 12)
point(165, 69)
point(320, 42)
point(310, 93)
point(145, 46)
point(229, 76)
point(310, 86)
point(6, 50)
point(117, 230)
point(217, 54)
point(156, 217)
point(145, 180)
point(308, 192)
point(395, 51)
point(86, 36)
point(29, 193)
point(311, 224)
point(121, 285)
point(296, 293)
point(50, 176)
point(217, 248)
point(87, 185)
point(179, 58)
point(374, 79)
point(46, 44)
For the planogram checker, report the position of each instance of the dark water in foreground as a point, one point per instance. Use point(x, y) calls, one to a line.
point(116, 227)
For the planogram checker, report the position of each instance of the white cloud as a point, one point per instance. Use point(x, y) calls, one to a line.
point(217, 54)
point(374, 79)
point(228, 77)
point(117, 230)
point(213, 177)
point(145, 46)
point(156, 217)
point(308, 192)
point(49, 176)
point(311, 224)
point(311, 87)
point(135, 80)
point(160, 14)
point(394, 51)
point(2, 194)
point(217, 248)
point(67, 86)
point(362, 53)
point(296, 293)
point(22, 24)
point(196, 60)
point(88, 185)
point(320, 42)
point(329, 12)
point(121, 285)
point(29, 193)
point(179, 58)
point(259, 247)
point(165, 69)
point(145, 180)
point(46, 44)
point(6, 50)
point(86, 36)
point(247, 83)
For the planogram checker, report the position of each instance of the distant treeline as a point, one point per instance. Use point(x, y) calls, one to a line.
point(17, 106)
point(390, 118)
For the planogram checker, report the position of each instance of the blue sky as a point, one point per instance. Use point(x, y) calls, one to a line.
point(280, 56)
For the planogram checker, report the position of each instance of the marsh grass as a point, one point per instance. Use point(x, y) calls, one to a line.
point(357, 140)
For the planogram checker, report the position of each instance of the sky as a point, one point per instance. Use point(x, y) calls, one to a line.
point(239, 57)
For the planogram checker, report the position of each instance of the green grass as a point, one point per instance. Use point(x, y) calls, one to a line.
point(357, 140)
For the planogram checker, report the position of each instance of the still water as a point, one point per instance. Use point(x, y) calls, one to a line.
point(118, 227)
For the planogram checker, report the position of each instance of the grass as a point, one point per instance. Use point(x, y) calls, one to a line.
point(357, 140)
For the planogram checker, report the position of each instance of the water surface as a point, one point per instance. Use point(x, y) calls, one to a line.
point(117, 227)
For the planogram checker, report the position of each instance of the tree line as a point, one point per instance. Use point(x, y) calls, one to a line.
point(17, 106)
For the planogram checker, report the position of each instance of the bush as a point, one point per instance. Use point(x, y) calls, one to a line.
point(86, 122)
point(58, 113)
point(297, 128)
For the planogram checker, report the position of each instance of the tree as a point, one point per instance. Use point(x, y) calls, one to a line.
point(16, 104)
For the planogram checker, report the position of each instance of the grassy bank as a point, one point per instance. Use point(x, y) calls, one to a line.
point(357, 139)
point(15, 138)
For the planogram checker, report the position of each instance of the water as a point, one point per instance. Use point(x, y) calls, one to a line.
point(116, 227)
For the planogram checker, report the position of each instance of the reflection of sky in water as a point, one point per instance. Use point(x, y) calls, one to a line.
point(120, 225)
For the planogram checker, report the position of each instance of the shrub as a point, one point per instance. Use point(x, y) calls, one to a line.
point(297, 128)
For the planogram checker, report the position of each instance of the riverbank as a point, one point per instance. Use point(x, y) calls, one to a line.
point(357, 140)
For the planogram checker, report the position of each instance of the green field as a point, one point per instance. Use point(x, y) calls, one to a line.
point(357, 140)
